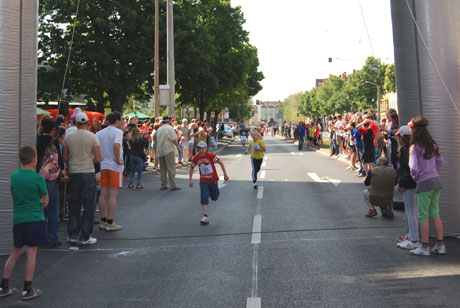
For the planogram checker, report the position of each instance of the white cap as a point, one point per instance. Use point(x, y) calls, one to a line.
point(81, 117)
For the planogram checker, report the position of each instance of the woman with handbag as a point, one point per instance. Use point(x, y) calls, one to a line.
point(138, 156)
point(407, 185)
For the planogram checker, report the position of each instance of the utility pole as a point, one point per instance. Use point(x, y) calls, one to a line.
point(170, 57)
point(156, 74)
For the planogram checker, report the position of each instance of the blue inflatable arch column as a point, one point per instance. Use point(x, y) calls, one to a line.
point(18, 88)
point(427, 62)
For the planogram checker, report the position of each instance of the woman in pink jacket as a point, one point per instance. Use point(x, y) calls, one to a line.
point(425, 161)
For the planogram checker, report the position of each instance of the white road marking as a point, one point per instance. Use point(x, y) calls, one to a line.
point(316, 178)
point(238, 155)
point(285, 180)
point(253, 302)
point(256, 230)
point(301, 154)
point(292, 153)
point(260, 192)
point(264, 164)
point(262, 175)
point(335, 182)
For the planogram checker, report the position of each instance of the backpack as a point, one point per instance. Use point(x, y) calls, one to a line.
point(50, 162)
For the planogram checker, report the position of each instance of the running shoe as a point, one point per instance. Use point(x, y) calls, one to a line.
point(439, 249)
point(103, 225)
point(113, 227)
point(420, 251)
point(407, 245)
point(402, 238)
point(8, 291)
point(371, 213)
point(90, 241)
point(204, 220)
point(255, 186)
point(32, 293)
point(72, 240)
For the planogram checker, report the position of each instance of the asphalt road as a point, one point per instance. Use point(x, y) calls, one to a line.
point(299, 240)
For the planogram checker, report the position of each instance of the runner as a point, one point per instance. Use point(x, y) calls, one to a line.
point(208, 177)
point(257, 155)
point(244, 132)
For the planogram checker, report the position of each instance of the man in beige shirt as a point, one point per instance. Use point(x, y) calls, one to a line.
point(81, 150)
point(166, 151)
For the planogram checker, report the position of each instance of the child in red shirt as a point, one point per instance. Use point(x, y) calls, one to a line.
point(208, 176)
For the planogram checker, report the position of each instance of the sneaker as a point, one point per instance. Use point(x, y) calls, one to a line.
point(176, 188)
point(420, 251)
point(33, 293)
point(130, 185)
point(439, 249)
point(255, 186)
point(139, 186)
point(349, 168)
point(72, 240)
point(407, 245)
point(8, 291)
point(103, 225)
point(361, 175)
point(402, 238)
point(164, 188)
point(371, 213)
point(113, 227)
point(90, 241)
point(204, 220)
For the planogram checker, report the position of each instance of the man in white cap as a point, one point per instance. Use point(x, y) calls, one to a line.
point(81, 150)
point(166, 151)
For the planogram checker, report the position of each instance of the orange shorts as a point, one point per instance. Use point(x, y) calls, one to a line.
point(111, 179)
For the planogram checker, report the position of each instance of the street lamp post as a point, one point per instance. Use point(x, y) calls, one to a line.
point(378, 98)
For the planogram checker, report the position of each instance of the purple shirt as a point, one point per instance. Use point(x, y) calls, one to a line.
point(423, 169)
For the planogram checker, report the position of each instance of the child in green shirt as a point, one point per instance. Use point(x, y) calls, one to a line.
point(30, 196)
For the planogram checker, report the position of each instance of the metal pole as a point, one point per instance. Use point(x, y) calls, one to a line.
point(157, 58)
point(378, 103)
point(170, 57)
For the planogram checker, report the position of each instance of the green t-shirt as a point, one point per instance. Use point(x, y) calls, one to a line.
point(27, 187)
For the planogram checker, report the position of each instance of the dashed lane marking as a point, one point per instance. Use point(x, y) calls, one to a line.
point(254, 302)
point(292, 153)
point(264, 164)
point(316, 178)
point(262, 175)
point(260, 192)
point(256, 230)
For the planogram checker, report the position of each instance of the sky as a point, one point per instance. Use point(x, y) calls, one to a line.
point(295, 38)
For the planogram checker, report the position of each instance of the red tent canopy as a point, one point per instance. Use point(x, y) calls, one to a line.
point(93, 117)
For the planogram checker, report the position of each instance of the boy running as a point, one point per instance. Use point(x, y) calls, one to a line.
point(30, 196)
point(208, 176)
point(257, 155)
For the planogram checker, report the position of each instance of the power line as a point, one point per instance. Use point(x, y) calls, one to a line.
point(367, 31)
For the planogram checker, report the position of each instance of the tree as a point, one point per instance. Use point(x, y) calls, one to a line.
point(112, 53)
point(390, 79)
point(289, 106)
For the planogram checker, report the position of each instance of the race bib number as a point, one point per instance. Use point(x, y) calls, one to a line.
point(256, 147)
point(206, 169)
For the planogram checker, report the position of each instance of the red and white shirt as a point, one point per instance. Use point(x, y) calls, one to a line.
point(208, 173)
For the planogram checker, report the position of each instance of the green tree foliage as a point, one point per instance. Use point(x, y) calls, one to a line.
point(338, 95)
point(240, 112)
point(289, 107)
point(112, 55)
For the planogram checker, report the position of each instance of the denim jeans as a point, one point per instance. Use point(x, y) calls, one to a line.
point(359, 149)
point(137, 164)
point(52, 211)
point(301, 140)
point(82, 192)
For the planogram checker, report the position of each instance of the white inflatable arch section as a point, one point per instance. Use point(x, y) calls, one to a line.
point(18, 88)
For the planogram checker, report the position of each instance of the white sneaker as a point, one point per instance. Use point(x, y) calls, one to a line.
point(349, 167)
point(72, 240)
point(204, 220)
point(89, 241)
point(112, 227)
point(407, 244)
point(420, 251)
point(103, 225)
point(440, 250)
